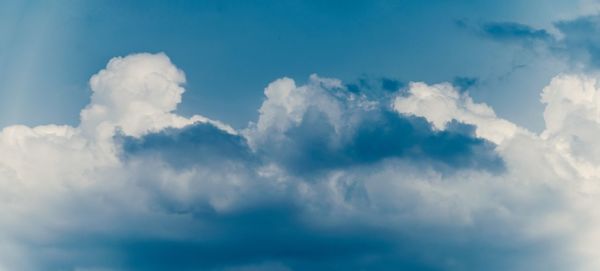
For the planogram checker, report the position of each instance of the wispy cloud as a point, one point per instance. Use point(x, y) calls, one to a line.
point(576, 41)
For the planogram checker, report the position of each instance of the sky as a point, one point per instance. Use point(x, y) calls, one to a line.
point(231, 50)
point(299, 135)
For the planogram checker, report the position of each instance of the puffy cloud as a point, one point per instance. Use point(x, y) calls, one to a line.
point(50, 173)
point(136, 94)
point(572, 116)
point(441, 104)
point(322, 126)
point(326, 178)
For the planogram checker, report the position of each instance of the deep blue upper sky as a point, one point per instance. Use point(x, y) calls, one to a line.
point(230, 50)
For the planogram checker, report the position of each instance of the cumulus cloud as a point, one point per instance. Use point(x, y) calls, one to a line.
point(442, 103)
point(138, 95)
point(322, 126)
point(327, 178)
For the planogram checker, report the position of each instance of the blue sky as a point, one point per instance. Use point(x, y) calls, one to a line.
point(299, 135)
point(231, 50)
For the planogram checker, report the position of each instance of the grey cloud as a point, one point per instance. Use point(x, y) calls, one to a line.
point(326, 179)
point(579, 43)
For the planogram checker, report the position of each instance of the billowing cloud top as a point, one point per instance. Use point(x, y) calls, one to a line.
point(424, 178)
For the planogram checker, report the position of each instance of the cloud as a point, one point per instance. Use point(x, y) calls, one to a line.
point(441, 104)
point(138, 95)
point(375, 88)
point(464, 83)
point(580, 43)
point(576, 40)
point(511, 31)
point(322, 126)
point(390, 84)
point(424, 178)
point(189, 145)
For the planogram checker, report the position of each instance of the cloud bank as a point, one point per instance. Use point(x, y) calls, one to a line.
point(327, 178)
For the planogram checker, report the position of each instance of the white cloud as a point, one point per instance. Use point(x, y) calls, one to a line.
point(442, 103)
point(286, 104)
point(136, 94)
point(560, 166)
point(69, 194)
